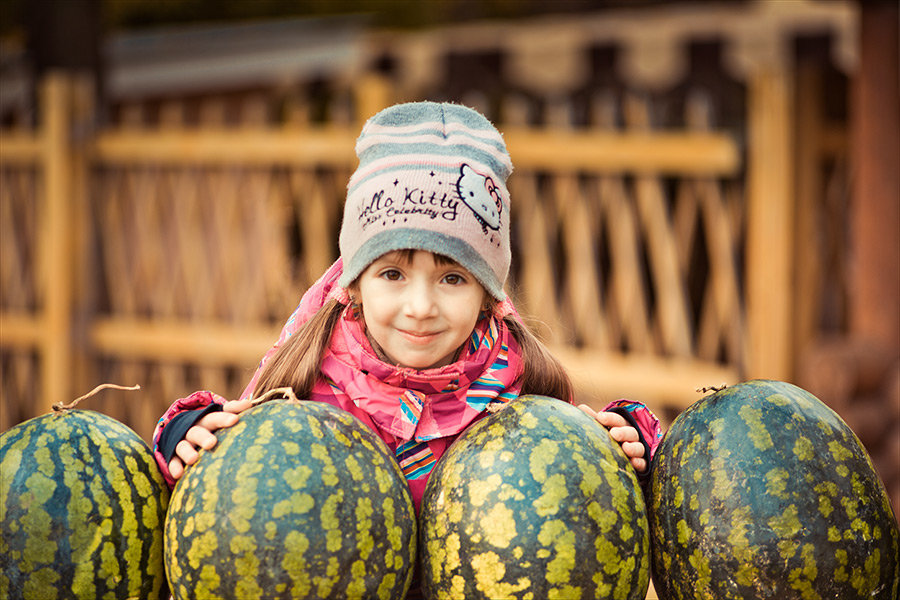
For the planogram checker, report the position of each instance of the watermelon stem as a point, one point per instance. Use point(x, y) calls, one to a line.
point(59, 406)
point(711, 388)
point(287, 392)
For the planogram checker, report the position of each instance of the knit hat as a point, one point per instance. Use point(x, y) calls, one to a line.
point(430, 177)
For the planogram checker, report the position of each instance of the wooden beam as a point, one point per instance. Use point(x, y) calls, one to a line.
point(601, 377)
point(684, 153)
point(687, 154)
point(21, 331)
point(18, 148)
point(174, 341)
point(325, 146)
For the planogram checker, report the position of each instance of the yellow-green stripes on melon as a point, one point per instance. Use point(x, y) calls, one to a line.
point(82, 505)
point(762, 491)
point(298, 500)
point(535, 501)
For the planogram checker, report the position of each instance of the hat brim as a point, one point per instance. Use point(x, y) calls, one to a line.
point(431, 241)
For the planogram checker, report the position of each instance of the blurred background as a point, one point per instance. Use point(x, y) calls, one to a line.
point(705, 192)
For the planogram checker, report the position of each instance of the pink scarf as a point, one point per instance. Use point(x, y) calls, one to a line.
point(422, 405)
point(417, 413)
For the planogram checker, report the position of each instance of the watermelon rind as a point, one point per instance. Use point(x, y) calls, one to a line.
point(534, 501)
point(761, 491)
point(82, 506)
point(298, 500)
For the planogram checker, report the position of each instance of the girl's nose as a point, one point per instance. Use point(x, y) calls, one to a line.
point(419, 301)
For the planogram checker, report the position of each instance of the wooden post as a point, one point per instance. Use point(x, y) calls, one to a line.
point(82, 118)
point(770, 206)
point(875, 213)
point(55, 244)
point(373, 93)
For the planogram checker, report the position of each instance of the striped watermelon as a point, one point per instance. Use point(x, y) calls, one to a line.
point(82, 505)
point(761, 491)
point(534, 501)
point(298, 500)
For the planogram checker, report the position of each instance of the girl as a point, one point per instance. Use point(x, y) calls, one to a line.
point(410, 330)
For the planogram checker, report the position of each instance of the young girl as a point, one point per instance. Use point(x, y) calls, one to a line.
point(410, 330)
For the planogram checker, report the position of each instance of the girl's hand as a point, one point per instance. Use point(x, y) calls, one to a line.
point(201, 435)
point(622, 432)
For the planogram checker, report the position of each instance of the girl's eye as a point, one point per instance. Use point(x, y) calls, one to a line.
point(391, 274)
point(454, 279)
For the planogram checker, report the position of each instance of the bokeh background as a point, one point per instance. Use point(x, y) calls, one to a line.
point(705, 192)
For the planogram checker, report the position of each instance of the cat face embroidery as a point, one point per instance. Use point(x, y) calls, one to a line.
point(479, 193)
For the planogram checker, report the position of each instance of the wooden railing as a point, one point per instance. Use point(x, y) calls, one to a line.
point(170, 258)
point(35, 266)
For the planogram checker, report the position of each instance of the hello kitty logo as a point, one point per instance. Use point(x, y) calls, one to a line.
point(479, 193)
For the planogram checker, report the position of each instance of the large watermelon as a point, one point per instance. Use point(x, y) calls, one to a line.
point(82, 505)
point(761, 491)
point(298, 500)
point(535, 501)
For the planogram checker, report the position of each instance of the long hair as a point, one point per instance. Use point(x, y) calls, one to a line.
point(543, 375)
point(296, 362)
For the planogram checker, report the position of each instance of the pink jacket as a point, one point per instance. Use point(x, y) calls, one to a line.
point(418, 414)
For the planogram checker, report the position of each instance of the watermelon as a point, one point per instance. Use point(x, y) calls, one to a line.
point(82, 505)
point(761, 491)
point(534, 501)
point(298, 500)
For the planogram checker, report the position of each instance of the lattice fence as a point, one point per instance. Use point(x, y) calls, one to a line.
point(186, 248)
point(20, 198)
point(658, 232)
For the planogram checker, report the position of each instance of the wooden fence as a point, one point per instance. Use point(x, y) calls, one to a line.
point(653, 262)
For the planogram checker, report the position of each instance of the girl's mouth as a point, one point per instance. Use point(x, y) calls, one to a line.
point(417, 337)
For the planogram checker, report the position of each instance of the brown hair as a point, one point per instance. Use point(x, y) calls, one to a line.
point(543, 375)
point(296, 363)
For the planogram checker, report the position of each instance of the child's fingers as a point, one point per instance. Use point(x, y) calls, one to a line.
point(186, 452)
point(611, 420)
point(639, 464)
point(633, 449)
point(201, 437)
point(635, 453)
point(587, 410)
point(625, 433)
point(216, 420)
point(176, 468)
point(237, 406)
point(607, 419)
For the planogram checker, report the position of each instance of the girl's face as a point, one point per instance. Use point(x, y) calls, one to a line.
point(419, 310)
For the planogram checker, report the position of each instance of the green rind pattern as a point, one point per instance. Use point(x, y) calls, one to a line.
point(298, 500)
point(534, 502)
point(82, 506)
point(762, 491)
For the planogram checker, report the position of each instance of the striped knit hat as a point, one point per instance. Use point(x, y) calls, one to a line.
point(430, 177)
